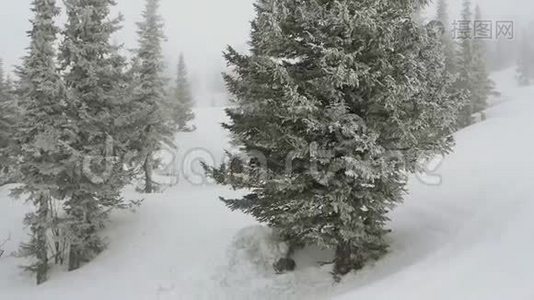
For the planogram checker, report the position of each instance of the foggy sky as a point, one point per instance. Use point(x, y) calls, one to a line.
point(202, 28)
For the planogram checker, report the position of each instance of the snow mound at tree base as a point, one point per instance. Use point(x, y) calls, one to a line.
point(250, 270)
point(250, 273)
point(257, 247)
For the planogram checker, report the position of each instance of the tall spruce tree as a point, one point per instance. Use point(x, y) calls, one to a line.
point(466, 78)
point(183, 102)
point(473, 77)
point(9, 116)
point(525, 62)
point(6, 125)
point(94, 77)
point(2, 77)
point(448, 44)
point(150, 96)
point(483, 85)
point(5, 118)
point(40, 153)
point(335, 103)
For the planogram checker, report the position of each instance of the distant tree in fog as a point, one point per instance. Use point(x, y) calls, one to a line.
point(5, 120)
point(157, 126)
point(525, 62)
point(182, 104)
point(484, 86)
point(8, 120)
point(449, 48)
point(473, 75)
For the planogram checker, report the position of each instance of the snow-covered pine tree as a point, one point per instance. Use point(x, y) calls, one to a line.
point(335, 103)
point(448, 44)
point(38, 134)
point(2, 76)
point(93, 74)
point(525, 62)
point(473, 77)
point(5, 118)
point(9, 114)
point(483, 85)
point(157, 128)
point(466, 78)
point(183, 102)
point(6, 124)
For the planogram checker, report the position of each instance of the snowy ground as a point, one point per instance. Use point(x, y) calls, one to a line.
point(468, 238)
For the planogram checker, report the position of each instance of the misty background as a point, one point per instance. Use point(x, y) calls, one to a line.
point(201, 29)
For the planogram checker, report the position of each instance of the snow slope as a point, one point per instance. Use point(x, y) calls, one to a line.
point(468, 238)
point(471, 237)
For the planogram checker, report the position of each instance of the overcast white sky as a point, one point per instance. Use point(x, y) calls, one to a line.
point(200, 28)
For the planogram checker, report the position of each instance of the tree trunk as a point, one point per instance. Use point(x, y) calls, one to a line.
point(346, 260)
point(86, 243)
point(148, 167)
point(75, 249)
point(74, 258)
point(58, 258)
point(42, 243)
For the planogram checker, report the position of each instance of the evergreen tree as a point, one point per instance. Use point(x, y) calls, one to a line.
point(5, 118)
point(2, 76)
point(330, 118)
point(94, 77)
point(183, 104)
point(483, 85)
point(40, 154)
point(525, 63)
point(157, 127)
point(465, 68)
point(8, 124)
point(448, 44)
point(473, 74)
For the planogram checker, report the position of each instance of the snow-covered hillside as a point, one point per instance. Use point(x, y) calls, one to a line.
point(468, 238)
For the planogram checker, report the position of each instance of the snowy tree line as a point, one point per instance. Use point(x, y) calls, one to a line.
point(80, 122)
point(471, 59)
point(467, 60)
point(525, 61)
